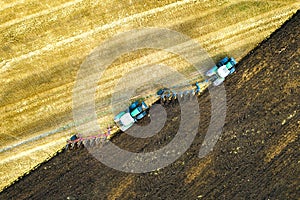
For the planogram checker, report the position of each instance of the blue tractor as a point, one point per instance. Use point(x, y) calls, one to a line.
point(136, 111)
point(221, 70)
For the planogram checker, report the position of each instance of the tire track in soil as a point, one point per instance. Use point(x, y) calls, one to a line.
point(256, 109)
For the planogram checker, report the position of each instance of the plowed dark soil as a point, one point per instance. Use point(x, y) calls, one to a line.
point(257, 156)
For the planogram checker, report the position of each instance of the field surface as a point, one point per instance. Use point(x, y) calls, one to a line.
point(44, 43)
point(257, 156)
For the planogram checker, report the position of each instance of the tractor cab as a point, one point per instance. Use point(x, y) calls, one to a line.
point(221, 70)
point(124, 120)
point(136, 111)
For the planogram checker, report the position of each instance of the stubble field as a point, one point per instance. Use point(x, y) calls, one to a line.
point(43, 44)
